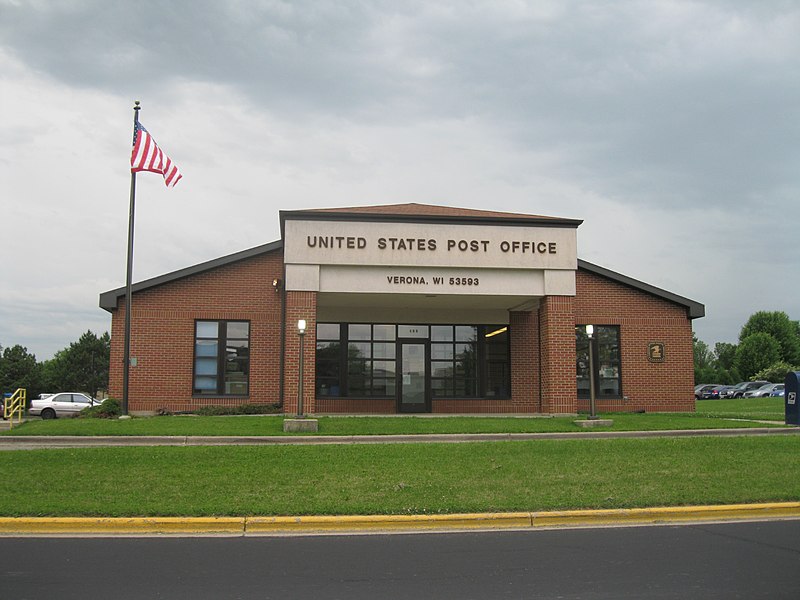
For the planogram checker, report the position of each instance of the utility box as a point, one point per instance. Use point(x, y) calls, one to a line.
point(792, 382)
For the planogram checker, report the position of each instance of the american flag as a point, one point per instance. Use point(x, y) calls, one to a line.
point(147, 156)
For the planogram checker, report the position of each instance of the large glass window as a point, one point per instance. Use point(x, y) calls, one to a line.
point(359, 360)
point(454, 361)
point(606, 358)
point(222, 358)
point(371, 362)
point(329, 360)
point(496, 363)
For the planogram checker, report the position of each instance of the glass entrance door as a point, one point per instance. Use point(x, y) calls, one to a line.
point(413, 379)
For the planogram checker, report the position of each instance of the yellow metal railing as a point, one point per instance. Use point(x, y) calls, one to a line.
point(15, 406)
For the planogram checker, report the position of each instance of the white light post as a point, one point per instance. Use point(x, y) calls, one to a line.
point(301, 331)
point(590, 335)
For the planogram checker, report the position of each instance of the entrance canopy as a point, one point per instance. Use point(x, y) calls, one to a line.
point(424, 308)
point(435, 259)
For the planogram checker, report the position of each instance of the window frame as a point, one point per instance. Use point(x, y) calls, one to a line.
point(453, 378)
point(221, 358)
point(599, 394)
point(369, 361)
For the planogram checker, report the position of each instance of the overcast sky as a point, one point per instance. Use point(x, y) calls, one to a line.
point(671, 127)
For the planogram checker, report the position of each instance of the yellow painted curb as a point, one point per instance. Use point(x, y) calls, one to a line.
point(362, 523)
point(387, 522)
point(671, 514)
point(121, 525)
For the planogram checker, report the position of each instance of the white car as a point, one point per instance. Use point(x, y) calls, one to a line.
point(65, 404)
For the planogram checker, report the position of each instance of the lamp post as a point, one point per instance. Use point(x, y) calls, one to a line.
point(301, 331)
point(590, 335)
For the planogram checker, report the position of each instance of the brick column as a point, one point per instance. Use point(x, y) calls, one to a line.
point(557, 322)
point(300, 305)
point(117, 356)
point(524, 332)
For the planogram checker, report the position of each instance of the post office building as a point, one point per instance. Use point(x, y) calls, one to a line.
point(406, 308)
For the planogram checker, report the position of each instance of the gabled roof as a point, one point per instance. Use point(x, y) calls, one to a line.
point(425, 213)
point(109, 300)
point(694, 309)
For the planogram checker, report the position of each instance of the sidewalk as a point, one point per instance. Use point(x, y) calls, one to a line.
point(23, 442)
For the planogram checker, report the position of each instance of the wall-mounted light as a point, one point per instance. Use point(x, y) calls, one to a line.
point(590, 330)
point(276, 283)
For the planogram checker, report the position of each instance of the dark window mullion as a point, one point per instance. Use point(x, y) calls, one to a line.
point(483, 365)
point(344, 376)
point(222, 353)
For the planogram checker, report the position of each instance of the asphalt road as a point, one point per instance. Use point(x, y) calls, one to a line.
point(741, 560)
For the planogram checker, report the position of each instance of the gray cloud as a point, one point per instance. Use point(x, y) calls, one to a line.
point(673, 122)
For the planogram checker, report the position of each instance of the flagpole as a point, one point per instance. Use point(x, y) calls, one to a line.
point(128, 282)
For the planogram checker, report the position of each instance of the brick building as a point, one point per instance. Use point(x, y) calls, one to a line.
point(407, 308)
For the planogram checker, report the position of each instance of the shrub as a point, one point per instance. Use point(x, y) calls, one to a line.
point(776, 372)
point(109, 409)
point(241, 409)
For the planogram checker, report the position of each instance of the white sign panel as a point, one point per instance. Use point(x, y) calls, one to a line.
point(429, 245)
point(418, 280)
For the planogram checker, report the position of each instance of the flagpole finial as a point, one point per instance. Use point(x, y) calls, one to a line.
point(136, 105)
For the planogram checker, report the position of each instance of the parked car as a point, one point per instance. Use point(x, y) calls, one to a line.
point(734, 389)
point(778, 391)
point(745, 386)
point(763, 391)
point(65, 404)
point(702, 389)
point(715, 392)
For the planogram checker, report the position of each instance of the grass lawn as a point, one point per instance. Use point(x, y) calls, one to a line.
point(770, 409)
point(710, 414)
point(399, 478)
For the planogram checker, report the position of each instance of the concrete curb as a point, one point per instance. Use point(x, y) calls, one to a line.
point(253, 526)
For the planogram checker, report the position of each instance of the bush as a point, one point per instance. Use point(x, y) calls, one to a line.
point(109, 409)
point(775, 373)
point(242, 409)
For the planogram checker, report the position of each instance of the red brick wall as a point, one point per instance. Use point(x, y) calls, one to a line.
point(525, 366)
point(557, 331)
point(162, 334)
point(642, 318)
point(542, 367)
point(300, 305)
point(454, 406)
point(371, 406)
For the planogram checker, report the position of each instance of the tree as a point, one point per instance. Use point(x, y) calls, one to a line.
point(82, 367)
point(725, 363)
point(725, 355)
point(703, 361)
point(757, 351)
point(779, 326)
point(19, 369)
